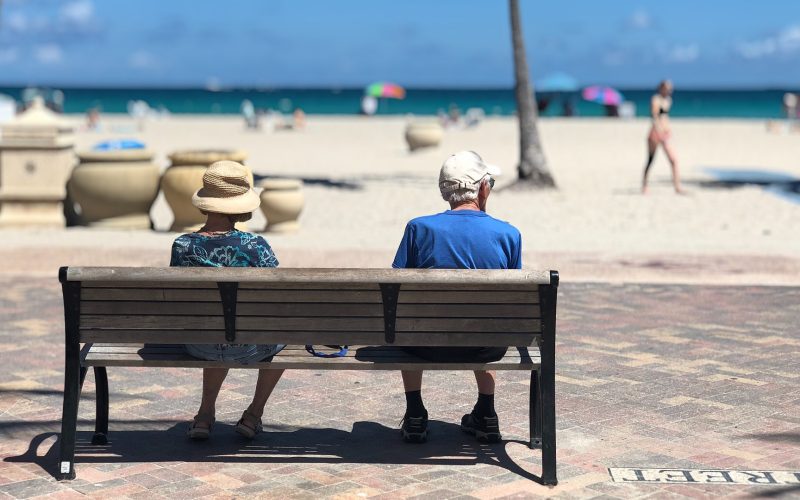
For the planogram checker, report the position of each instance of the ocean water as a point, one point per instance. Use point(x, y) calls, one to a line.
point(687, 103)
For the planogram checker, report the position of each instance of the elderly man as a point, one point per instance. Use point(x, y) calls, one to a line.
point(464, 237)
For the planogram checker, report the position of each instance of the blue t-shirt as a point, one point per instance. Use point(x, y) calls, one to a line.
point(459, 239)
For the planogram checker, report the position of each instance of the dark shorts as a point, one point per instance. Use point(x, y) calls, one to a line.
point(458, 354)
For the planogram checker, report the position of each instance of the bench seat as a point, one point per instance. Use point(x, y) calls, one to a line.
point(296, 357)
point(142, 317)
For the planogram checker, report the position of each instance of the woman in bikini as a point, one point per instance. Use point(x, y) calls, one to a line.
point(660, 133)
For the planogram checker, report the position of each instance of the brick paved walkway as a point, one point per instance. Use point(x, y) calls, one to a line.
point(659, 376)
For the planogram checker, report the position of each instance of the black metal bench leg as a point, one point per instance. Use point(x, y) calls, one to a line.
point(101, 412)
point(535, 417)
point(69, 415)
point(548, 391)
point(547, 379)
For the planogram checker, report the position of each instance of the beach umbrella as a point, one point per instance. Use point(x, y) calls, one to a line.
point(118, 144)
point(385, 89)
point(557, 82)
point(602, 95)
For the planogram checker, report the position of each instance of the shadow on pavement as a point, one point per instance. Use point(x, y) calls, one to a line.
point(785, 437)
point(367, 443)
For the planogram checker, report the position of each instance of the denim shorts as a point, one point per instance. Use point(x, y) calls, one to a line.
point(237, 353)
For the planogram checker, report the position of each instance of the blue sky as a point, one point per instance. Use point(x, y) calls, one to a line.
point(442, 43)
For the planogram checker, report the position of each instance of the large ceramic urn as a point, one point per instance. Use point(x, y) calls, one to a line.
point(36, 158)
point(423, 135)
point(115, 189)
point(282, 201)
point(184, 177)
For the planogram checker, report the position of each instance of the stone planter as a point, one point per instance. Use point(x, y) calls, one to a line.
point(36, 158)
point(184, 177)
point(423, 135)
point(282, 201)
point(115, 189)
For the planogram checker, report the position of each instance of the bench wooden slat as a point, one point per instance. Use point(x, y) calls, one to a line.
point(249, 285)
point(461, 297)
point(289, 350)
point(212, 295)
point(260, 323)
point(468, 311)
point(218, 337)
point(321, 296)
point(294, 275)
point(314, 337)
point(465, 325)
point(295, 357)
point(134, 308)
point(321, 324)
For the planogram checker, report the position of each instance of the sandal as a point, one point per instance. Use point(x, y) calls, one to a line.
point(200, 433)
point(246, 430)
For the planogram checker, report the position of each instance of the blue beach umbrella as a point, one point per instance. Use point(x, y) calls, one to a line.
point(557, 82)
point(118, 144)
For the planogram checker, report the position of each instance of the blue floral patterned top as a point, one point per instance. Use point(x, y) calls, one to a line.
point(232, 249)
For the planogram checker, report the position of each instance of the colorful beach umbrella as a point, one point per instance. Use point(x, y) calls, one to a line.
point(385, 89)
point(603, 95)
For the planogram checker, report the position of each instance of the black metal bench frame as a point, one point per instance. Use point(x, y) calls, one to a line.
point(542, 414)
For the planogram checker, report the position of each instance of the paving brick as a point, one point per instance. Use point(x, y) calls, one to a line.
point(648, 376)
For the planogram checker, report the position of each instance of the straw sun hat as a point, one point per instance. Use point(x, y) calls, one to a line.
point(226, 190)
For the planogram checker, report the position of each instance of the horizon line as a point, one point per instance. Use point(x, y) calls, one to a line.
point(273, 88)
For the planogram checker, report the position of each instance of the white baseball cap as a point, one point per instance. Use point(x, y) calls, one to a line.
point(464, 170)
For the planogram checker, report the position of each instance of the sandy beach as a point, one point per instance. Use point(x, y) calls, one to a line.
point(362, 186)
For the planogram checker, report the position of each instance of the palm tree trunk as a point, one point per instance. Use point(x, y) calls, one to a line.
point(532, 169)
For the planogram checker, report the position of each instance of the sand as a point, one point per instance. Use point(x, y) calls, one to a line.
point(362, 186)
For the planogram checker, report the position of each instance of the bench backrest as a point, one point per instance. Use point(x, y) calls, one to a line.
point(307, 306)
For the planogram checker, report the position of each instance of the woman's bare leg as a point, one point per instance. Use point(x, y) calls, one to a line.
point(673, 161)
point(212, 383)
point(651, 154)
point(267, 380)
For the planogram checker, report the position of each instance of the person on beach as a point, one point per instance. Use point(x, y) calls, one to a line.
point(226, 198)
point(660, 134)
point(464, 237)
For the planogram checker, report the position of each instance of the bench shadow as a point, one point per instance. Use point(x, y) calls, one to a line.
point(781, 437)
point(366, 443)
point(776, 492)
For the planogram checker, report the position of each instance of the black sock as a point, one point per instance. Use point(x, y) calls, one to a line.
point(414, 406)
point(485, 406)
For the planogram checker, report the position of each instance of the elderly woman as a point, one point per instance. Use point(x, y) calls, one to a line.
point(661, 134)
point(227, 198)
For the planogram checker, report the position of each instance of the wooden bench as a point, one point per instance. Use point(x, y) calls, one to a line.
point(143, 316)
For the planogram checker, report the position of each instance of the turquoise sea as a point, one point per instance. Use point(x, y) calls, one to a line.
point(687, 103)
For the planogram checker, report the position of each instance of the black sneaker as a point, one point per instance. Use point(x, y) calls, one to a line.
point(414, 429)
point(485, 429)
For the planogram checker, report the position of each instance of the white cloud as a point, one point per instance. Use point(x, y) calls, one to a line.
point(48, 54)
point(16, 21)
point(640, 20)
point(682, 54)
point(614, 58)
point(785, 42)
point(80, 12)
point(142, 60)
point(8, 55)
